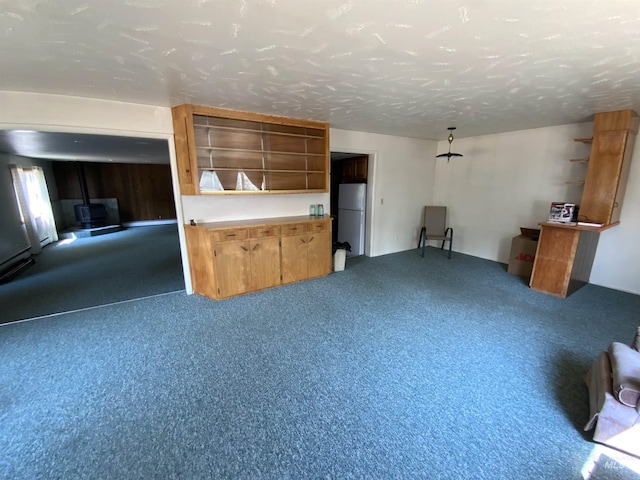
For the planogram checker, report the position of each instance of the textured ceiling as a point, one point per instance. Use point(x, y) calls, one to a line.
point(83, 147)
point(405, 67)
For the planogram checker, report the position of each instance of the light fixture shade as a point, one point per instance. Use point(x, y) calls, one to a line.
point(449, 154)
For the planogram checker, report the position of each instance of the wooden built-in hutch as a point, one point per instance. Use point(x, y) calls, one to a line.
point(565, 253)
point(227, 152)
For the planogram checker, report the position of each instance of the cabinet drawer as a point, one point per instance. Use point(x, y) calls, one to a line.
point(262, 232)
point(294, 229)
point(317, 227)
point(230, 235)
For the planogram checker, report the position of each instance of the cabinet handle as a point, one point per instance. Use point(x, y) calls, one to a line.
point(231, 234)
point(264, 231)
point(311, 239)
point(244, 248)
point(293, 228)
point(254, 248)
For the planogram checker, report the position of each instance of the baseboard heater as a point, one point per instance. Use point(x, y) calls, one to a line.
point(9, 273)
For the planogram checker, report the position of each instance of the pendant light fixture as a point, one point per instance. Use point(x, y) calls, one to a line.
point(449, 154)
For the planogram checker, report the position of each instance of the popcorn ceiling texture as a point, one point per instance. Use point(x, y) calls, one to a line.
point(402, 67)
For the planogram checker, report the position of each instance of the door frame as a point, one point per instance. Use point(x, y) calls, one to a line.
point(371, 183)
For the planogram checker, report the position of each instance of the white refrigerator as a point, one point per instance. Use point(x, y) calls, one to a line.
point(352, 201)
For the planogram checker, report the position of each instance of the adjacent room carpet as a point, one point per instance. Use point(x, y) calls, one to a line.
point(132, 263)
point(398, 367)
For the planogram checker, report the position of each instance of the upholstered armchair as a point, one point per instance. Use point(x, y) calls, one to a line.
point(614, 397)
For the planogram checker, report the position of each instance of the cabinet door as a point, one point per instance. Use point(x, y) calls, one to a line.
point(265, 263)
point(232, 264)
point(294, 258)
point(348, 170)
point(319, 256)
point(360, 168)
point(199, 251)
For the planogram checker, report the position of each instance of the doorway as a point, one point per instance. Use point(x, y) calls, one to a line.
point(143, 259)
point(351, 168)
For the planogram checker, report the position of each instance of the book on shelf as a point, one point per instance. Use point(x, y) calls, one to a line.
point(590, 224)
point(561, 222)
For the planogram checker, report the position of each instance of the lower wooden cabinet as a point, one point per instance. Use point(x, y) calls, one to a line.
point(231, 258)
point(564, 258)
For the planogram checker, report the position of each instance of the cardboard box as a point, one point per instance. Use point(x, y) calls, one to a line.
point(523, 253)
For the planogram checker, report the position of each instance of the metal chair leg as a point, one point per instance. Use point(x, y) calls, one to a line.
point(423, 239)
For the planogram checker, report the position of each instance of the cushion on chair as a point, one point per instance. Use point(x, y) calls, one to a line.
point(625, 367)
point(636, 341)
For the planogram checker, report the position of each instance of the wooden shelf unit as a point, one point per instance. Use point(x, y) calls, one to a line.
point(565, 253)
point(222, 151)
point(610, 160)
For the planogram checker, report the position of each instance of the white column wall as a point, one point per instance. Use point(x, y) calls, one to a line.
point(509, 180)
point(400, 183)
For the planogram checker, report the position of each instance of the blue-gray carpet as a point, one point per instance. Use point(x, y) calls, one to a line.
point(398, 367)
point(132, 263)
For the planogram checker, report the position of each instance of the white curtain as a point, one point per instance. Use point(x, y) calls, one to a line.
point(35, 206)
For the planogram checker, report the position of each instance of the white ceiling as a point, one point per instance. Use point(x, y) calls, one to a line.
point(403, 67)
point(83, 147)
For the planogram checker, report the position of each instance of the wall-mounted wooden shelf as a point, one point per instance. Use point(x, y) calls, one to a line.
point(223, 151)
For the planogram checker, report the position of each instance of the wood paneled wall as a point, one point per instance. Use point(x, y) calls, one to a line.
point(143, 191)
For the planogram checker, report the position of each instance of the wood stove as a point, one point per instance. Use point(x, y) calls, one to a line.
point(90, 215)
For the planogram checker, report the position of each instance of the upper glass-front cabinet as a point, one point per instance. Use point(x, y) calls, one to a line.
point(226, 151)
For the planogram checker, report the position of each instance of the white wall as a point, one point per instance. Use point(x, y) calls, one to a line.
point(507, 181)
point(217, 208)
point(63, 113)
point(400, 183)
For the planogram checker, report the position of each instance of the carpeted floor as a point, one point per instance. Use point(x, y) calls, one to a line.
point(398, 367)
point(132, 263)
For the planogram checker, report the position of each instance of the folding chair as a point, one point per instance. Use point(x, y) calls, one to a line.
point(434, 221)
